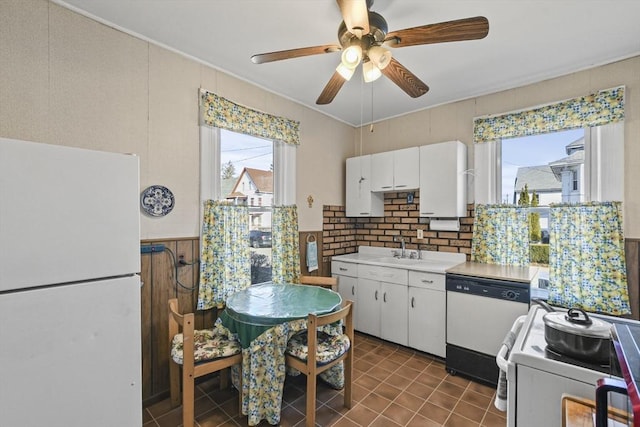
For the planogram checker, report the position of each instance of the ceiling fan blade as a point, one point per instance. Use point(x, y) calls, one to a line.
point(261, 58)
point(405, 79)
point(331, 89)
point(355, 15)
point(450, 31)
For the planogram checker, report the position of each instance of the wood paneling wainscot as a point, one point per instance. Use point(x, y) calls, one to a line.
point(158, 275)
point(324, 267)
point(632, 253)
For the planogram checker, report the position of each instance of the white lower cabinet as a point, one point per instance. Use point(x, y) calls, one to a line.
point(393, 313)
point(382, 295)
point(427, 312)
point(395, 304)
point(347, 290)
point(368, 314)
point(347, 275)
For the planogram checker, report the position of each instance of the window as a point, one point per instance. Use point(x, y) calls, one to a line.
point(537, 171)
point(600, 173)
point(541, 163)
point(219, 175)
point(246, 161)
point(560, 167)
point(591, 171)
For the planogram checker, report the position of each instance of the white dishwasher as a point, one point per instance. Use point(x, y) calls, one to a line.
point(480, 312)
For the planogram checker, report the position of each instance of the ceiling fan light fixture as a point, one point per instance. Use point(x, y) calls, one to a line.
point(345, 71)
point(370, 72)
point(380, 56)
point(352, 56)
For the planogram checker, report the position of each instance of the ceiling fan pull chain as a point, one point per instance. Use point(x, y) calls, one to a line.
point(371, 125)
point(361, 111)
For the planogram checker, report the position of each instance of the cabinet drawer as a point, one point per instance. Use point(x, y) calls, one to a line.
point(344, 268)
point(382, 274)
point(421, 279)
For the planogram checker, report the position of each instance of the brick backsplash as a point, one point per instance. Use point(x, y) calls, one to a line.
point(342, 235)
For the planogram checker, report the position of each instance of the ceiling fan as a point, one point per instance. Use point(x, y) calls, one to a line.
point(363, 36)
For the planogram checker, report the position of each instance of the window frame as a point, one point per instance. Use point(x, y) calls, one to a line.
point(603, 166)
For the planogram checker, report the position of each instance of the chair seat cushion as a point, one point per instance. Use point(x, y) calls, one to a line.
point(207, 345)
point(330, 347)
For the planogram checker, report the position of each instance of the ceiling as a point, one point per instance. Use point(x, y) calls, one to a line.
point(528, 41)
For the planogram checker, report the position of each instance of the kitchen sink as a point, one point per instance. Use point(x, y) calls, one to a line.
point(394, 260)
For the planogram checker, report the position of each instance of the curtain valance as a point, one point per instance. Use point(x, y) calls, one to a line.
point(222, 113)
point(602, 107)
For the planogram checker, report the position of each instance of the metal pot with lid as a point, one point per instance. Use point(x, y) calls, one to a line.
point(576, 334)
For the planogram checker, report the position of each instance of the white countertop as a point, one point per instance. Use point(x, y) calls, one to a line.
point(433, 262)
point(494, 271)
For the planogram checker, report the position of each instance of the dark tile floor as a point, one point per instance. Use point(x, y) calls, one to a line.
point(393, 386)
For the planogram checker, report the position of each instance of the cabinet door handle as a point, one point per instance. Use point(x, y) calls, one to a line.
point(376, 296)
point(427, 281)
point(353, 290)
point(384, 297)
point(342, 269)
point(413, 300)
point(427, 213)
point(386, 186)
point(364, 213)
point(401, 185)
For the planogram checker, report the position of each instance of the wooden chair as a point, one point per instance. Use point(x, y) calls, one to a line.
point(200, 352)
point(325, 353)
point(580, 412)
point(325, 282)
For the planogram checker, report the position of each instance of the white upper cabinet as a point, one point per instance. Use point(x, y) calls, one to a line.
point(406, 169)
point(382, 164)
point(396, 170)
point(443, 180)
point(360, 201)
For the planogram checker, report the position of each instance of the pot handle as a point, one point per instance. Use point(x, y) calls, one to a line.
point(573, 316)
point(543, 304)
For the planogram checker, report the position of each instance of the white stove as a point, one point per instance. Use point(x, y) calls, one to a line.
point(537, 377)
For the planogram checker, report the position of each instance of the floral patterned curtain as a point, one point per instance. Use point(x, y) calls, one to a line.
point(222, 113)
point(225, 266)
point(602, 107)
point(587, 267)
point(285, 255)
point(501, 235)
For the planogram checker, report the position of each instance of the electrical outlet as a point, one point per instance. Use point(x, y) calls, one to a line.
point(420, 234)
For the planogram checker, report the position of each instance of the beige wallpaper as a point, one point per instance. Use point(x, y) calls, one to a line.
point(65, 79)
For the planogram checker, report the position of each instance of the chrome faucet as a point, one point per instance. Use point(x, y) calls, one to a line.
point(402, 245)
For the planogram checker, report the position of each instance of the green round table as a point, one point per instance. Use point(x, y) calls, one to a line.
point(254, 310)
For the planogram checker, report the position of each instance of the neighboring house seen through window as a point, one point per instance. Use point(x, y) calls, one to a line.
point(248, 178)
point(572, 166)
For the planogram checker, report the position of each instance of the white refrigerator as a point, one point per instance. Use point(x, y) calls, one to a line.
point(70, 343)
